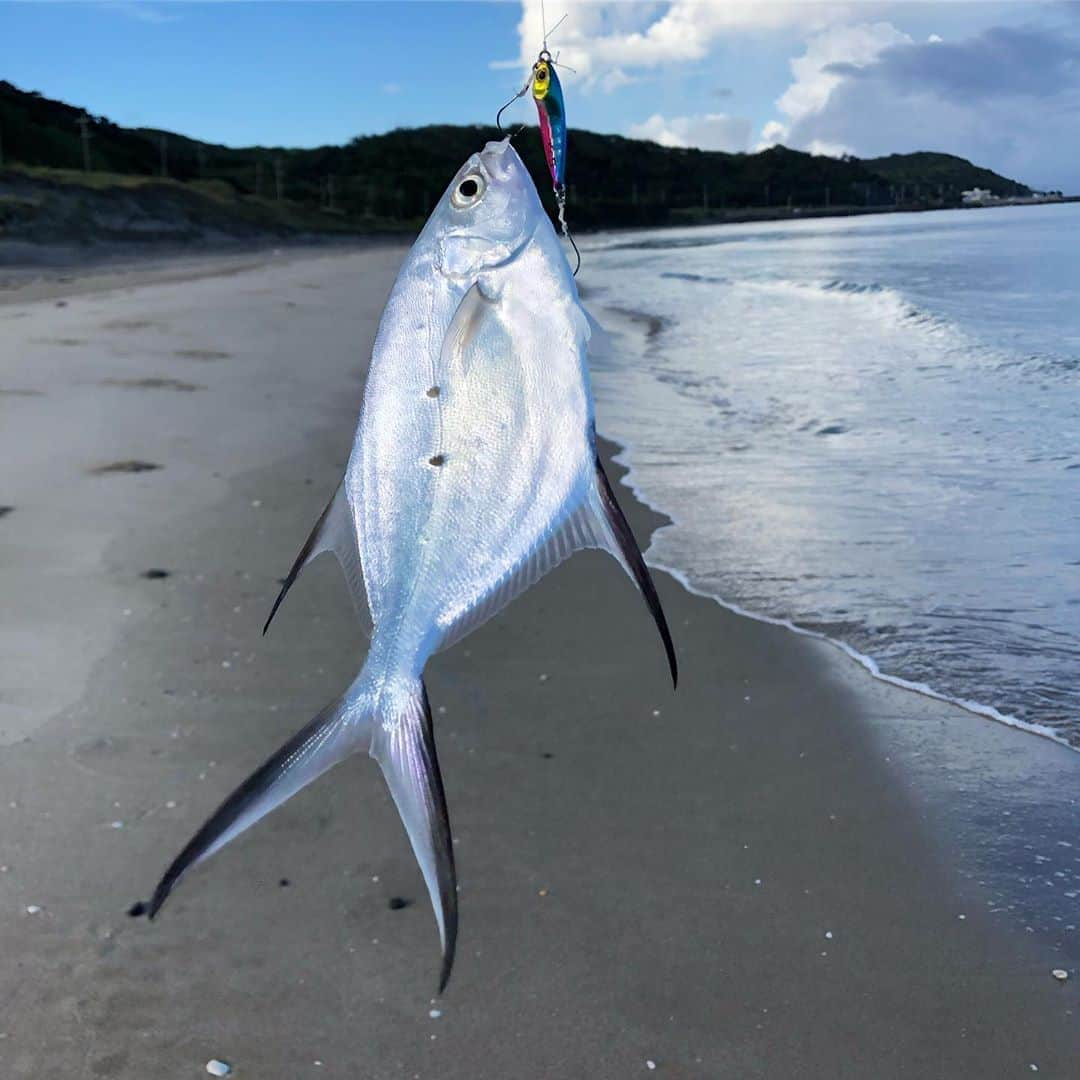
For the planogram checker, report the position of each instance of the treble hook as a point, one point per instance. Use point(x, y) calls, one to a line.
point(560, 203)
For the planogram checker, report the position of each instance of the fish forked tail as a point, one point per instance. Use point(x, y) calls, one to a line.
point(392, 722)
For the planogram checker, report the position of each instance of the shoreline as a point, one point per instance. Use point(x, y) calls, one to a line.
point(862, 660)
point(31, 270)
point(733, 878)
point(177, 265)
point(753, 216)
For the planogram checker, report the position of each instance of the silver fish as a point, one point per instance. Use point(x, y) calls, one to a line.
point(473, 473)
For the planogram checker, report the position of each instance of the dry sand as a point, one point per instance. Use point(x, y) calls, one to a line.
point(731, 881)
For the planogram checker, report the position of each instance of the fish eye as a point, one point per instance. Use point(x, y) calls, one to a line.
point(468, 191)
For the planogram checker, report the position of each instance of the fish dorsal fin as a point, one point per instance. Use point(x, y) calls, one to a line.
point(589, 518)
point(623, 546)
point(334, 531)
point(596, 521)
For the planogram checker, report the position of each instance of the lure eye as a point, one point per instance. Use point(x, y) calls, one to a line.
point(468, 191)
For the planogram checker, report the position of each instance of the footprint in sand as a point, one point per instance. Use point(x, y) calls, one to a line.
point(5, 510)
point(105, 755)
point(202, 354)
point(133, 466)
point(153, 383)
point(127, 324)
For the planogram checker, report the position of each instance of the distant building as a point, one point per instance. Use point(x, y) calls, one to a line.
point(977, 197)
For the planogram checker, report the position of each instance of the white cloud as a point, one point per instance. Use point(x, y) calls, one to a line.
point(772, 133)
point(391, 88)
point(597, 39)
point(815, 79)
point(827, 149)
point(709, 131)
point(1006, 98)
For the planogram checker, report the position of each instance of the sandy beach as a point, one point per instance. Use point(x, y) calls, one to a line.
point(751, 877)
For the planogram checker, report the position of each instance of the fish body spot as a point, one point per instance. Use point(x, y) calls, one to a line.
point(433, 391)
point(438, 460)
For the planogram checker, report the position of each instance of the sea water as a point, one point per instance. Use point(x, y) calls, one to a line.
point(870, 427)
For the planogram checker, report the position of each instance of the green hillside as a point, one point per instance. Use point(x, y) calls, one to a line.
point(379, 181)
point(942, 170)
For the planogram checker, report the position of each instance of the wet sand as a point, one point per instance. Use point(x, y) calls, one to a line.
point(733, 880)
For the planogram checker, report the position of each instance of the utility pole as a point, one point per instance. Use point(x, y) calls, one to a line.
point(164, 145)
point(279, 177)
point(86, 136)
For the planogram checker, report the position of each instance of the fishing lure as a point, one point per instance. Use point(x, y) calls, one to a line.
point(548, 95)
point(551, 109)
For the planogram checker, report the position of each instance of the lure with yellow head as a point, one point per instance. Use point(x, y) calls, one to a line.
point(547, 93)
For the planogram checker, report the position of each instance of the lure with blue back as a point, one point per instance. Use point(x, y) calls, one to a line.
point(548, 95)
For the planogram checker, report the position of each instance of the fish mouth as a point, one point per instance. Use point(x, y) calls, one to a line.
point(496, 149)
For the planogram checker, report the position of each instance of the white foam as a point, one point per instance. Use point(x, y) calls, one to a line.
point(868, 663)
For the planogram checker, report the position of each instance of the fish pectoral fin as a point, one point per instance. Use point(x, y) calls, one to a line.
point(335, 733)
point(404, 746)
point(619, 541)
point(334, 531)
point(475, 315)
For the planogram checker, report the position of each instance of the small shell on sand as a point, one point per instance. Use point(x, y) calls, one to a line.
point(218, 1068)
point(1060, 974)
point(33, 909)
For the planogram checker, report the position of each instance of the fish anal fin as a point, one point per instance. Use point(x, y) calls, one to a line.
point(334, 531)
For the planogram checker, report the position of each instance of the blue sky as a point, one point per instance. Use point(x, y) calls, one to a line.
point(997, 82)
